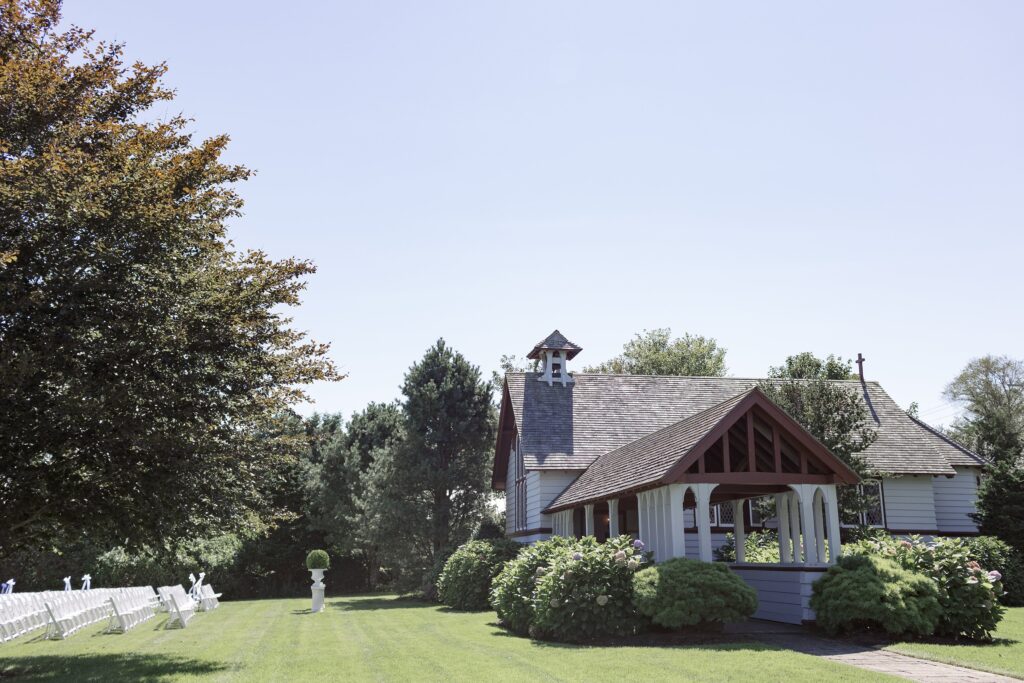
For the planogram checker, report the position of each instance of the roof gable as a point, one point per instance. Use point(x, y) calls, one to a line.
point(679, 453)
point(570, 427)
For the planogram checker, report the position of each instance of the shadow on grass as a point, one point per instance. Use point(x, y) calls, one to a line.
point(103, 667)
point(653, 639)
point(375, 603)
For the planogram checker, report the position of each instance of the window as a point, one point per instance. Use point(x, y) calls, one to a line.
point(722, 515)
point(519, 472)
point(874, 512)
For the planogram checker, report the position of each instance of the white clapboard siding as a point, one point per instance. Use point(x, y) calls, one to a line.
point(909, 503)
point(510, 500)
point(954, 500)
point(782, 594)
point(542, 486)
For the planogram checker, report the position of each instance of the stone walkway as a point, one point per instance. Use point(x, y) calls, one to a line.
point(864, 657)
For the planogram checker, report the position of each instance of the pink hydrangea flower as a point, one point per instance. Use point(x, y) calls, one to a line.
point(577, 556)
point(994, 576)
point(638, 544)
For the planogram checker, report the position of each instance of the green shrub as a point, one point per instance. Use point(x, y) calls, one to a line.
point(760, 546)
point(465, 581)
point(318, 559)
point(587, 592)
point(682, 592)
point(992, 553)
point(513, 588)
point(865, 592)
point(968, 592)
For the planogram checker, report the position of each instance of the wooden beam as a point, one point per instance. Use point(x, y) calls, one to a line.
point(750, 441)
point(777, 446)
point(726, 465)
point(700, 463)
point(758, 478)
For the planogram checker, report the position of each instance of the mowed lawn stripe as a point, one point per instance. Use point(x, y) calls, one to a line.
point(381, 638)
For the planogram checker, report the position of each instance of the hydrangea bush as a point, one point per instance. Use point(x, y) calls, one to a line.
point(681, 592)
point(870, 593)
point(585, 591)
point(968, 592)
point(513, 588)
point(465, 581)
point(994, 554)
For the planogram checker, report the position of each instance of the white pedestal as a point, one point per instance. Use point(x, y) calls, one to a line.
point(318, 589)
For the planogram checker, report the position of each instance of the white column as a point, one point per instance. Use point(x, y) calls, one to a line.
point(819, 525)
point(588, 520)
point(676, 494)
point(613, 517)
point(807, 519)
point(782, 514)
point(641, 517)
point(794, 527)
point(739, 530)
point(832, 521)
point(703, 492)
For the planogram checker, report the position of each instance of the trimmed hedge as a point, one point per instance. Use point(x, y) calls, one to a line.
point(465, 581)
point(865, 592)
point(318, 559)
point(681, 592)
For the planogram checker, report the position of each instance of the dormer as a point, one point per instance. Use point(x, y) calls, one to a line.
point(554, 354)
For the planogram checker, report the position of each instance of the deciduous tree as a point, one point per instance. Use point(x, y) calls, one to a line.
point(655, 352)
point(144, 362)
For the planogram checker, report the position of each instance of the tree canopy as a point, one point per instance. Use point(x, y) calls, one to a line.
point(145, 364)
point(991, 391)
point(655, 352)
point(834, 413)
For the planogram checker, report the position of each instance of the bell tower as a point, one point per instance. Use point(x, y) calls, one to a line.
point(554, 354)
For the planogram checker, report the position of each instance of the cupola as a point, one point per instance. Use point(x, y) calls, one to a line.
point(554, 354)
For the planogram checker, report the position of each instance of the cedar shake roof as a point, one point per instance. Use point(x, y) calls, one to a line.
point(555, 341)
point(657, 458)
point(569, 427)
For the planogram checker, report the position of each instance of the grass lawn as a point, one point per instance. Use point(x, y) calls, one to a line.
point(1005, 656)
point(382, 638)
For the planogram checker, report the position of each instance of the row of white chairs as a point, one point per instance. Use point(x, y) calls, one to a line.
point(131, 607)
point(71, 611)
point(179, 605)
point(62, 613)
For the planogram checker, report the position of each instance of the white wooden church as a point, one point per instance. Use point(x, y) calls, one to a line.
point(677, 462)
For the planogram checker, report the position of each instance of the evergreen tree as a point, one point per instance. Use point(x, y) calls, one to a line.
point(427, 494)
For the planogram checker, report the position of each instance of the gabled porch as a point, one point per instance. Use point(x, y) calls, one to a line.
point(742, 449)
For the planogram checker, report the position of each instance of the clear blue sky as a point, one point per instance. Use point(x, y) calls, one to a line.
point(831, 177)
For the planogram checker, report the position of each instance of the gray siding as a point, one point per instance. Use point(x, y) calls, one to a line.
point(542, 486)
point(909, 503)
point(781, 595)
point(955, 499)
point(510, 498)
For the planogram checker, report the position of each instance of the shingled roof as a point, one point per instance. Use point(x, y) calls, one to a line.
point(555, 341)
point(651, 460)
point(569, 427)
